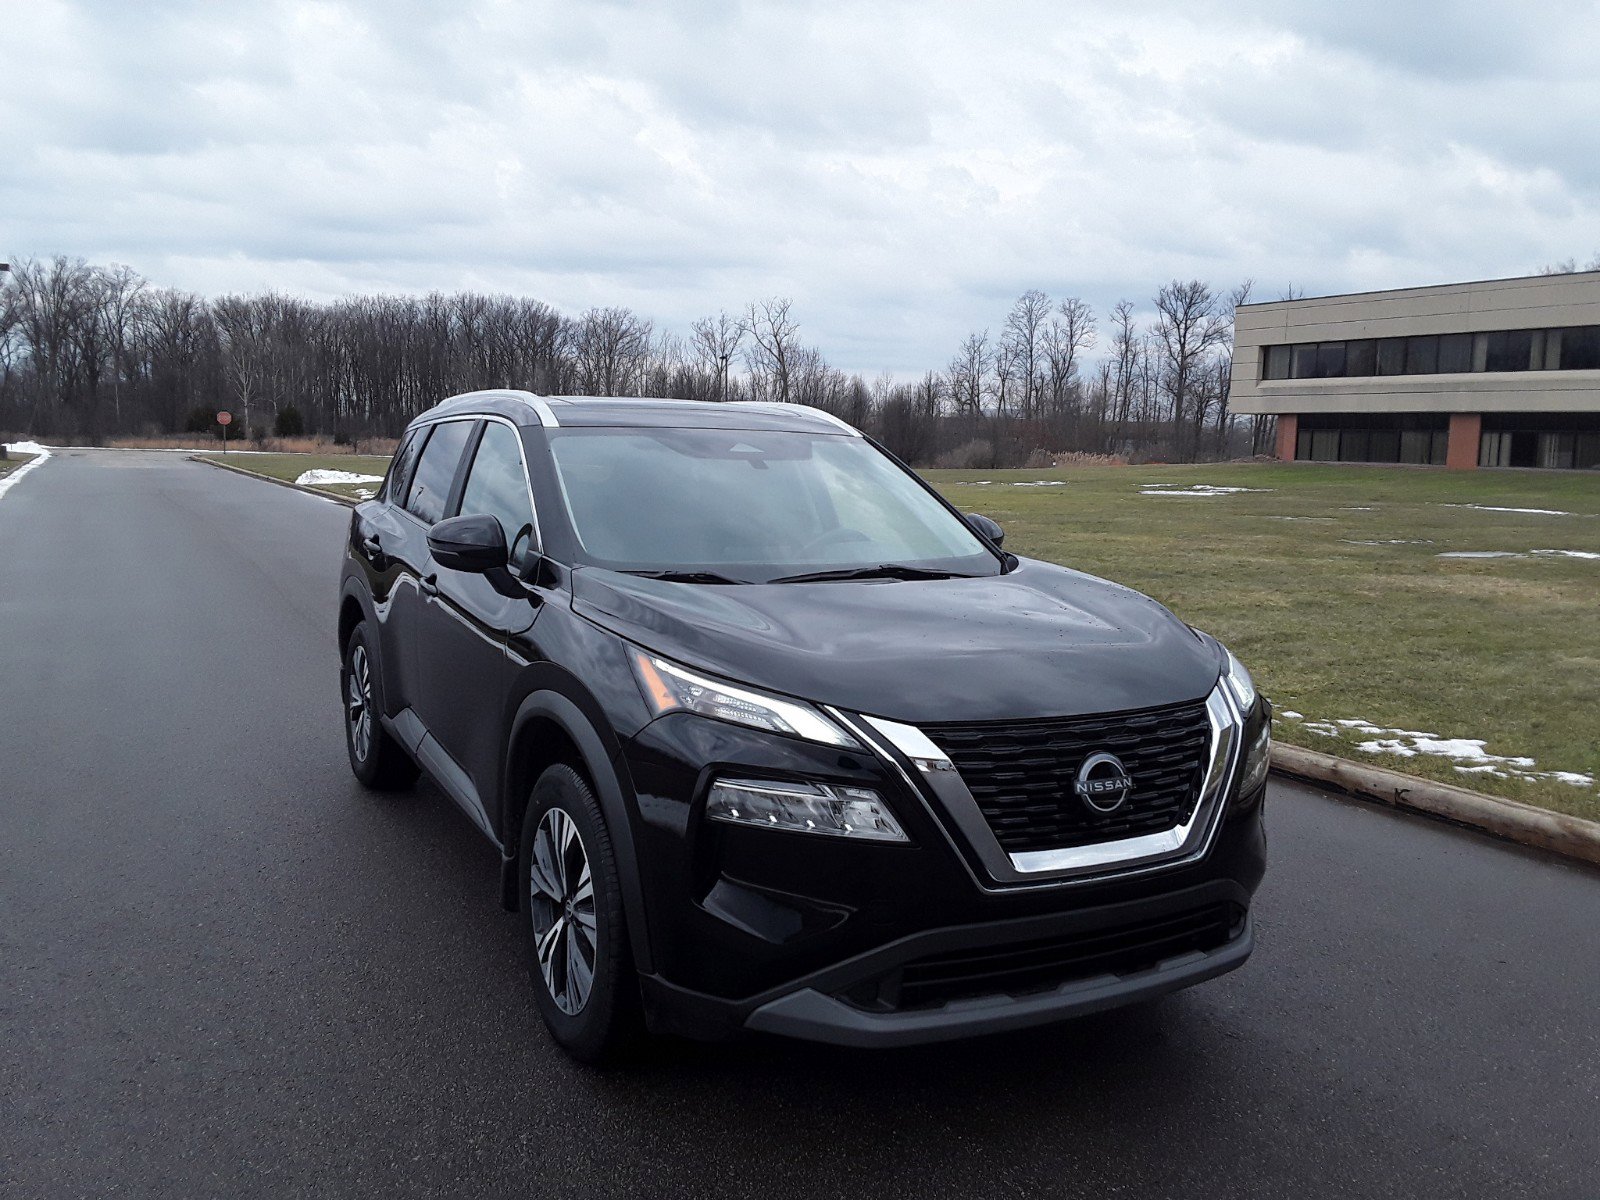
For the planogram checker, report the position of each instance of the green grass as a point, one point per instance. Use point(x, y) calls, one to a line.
point(13, 460)
point(1505, 650)
point(290, 467)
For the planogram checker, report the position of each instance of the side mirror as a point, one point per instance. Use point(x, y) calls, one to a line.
point(474, 543)
point(986, 527)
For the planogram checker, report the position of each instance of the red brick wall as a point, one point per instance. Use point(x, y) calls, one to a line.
point(1466, 430)
point(1289, 430)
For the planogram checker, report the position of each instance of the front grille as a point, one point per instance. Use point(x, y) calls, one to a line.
point(1021, 773)
point(1047, 963)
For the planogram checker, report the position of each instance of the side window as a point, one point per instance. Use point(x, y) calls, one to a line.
point(405, 461)
point(498, 485)
point(436, 471)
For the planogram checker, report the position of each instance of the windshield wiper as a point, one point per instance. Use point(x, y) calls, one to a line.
point(686, 576)
point(881, 571)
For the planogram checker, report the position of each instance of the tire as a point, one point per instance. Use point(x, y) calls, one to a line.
point(379, 762)
point(573, 919)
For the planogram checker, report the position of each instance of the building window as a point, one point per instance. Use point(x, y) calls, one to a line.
point(1494, 450)
point(1511, 350)
point(1392, 356)
point(1455, 354)
point(1305, 362)
point(1570, 349)
point(1579, 349)
point(1276, 363)
point(1422, 355)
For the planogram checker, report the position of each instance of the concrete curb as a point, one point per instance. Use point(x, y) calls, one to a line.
point(248, 474)
point(1557, 833)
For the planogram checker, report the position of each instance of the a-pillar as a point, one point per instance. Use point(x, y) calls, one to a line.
point(1288, 433)
point(1466, 431)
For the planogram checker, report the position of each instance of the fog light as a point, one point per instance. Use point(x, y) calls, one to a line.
point(1257, 758)
point(824, 808)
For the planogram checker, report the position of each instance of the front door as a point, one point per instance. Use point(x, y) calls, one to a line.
point(462, 667)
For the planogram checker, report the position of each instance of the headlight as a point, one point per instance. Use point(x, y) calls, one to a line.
point(823, 808)
point(671, 688)
point(1239, 681)
point(1257, 758)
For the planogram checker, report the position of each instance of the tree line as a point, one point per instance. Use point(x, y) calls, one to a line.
point(96, 352)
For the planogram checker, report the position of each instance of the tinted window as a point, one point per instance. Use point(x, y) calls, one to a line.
point(405, 461)
point(1455, 353)
point(1510, 351)
point(1330, 360)
point(436, 470)
point(1277, 363)
point(1580, 349)
point(1361, 358)
point(498, 486)
point(1305, 362)
point(1422, 358)
point(1391, 356)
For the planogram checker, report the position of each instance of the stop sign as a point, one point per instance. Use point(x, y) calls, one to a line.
point(224, 418)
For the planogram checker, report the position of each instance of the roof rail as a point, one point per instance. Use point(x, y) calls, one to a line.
point(539, 404)
point(778, 406)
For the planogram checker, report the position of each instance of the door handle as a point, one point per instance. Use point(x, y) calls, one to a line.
point(429, 585)
point(372, 545)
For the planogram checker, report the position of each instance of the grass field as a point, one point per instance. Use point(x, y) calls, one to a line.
point(1337, 587)
point(13, 460)
point(1329, 583)
point(291, 467)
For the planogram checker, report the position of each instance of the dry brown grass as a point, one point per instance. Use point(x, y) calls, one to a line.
point(205, 442)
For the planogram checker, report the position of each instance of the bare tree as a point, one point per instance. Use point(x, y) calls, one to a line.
point(1068, 334)
point(610, 345)
point(716, 340)
point(774, 335)
point(1021, 342)
point(1189, 326)
point(968, 375)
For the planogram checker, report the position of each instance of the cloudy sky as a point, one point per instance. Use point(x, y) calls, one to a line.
point(901, 170)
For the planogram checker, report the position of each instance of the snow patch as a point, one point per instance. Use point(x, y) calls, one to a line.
point(1289, 714)
point(10, 481)
point(1197, 489)
point(321, 478)
point(1537, 512)
point(1467, 755)
point(1392, 542)
point(1567, 553)
point(1480, 554)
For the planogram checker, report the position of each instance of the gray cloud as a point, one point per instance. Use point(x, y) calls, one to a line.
point(902, 170)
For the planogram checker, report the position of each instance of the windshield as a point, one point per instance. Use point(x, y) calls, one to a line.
point(752, 506)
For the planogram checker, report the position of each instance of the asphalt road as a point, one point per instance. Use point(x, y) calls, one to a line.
point(225, 970)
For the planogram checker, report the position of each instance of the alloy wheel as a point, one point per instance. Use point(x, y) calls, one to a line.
point(561, 891)
point(358, 702)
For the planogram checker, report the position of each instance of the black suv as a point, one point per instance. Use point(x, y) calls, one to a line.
point(771, 737)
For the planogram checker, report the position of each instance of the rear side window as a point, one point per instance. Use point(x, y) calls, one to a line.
point(405, 461)
point(497, 485)
point(436, 471)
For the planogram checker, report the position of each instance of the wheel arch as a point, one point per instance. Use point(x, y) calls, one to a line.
point(551, 728)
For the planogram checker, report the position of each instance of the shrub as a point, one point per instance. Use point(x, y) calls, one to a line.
point(200, 420)
point(289, 422)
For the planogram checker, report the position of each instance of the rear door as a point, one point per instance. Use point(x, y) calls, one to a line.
point(463, 669)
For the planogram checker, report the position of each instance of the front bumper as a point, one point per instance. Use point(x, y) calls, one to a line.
point(967, 980)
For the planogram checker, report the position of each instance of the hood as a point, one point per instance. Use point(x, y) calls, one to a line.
point(1039, 641)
